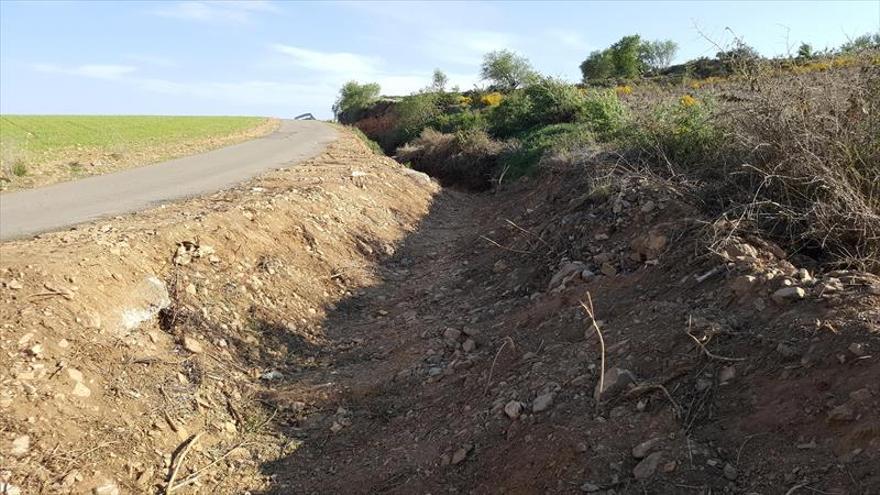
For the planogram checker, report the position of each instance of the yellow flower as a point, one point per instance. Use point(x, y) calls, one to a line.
point(465, 100)
point(687, 101)
point(623, 90)
point(491, 99)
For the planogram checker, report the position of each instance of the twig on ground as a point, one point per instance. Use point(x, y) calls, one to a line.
point(195, 476)
point(591, 313)
point(708, 353)
point(177, 463)
point(527, 232)
point(639, 390)
point(492, 369)
point(504, 247)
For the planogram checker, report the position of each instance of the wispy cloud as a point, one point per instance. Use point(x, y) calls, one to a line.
point(228, 11)
point(97, 71)
point(154, 60)
point(569, 39)
point(466, 46)
point(335, 62)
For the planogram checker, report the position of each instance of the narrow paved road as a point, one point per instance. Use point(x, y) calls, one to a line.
point(69, 203)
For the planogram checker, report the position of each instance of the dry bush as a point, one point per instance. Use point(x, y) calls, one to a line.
point(468, 158)
point(811, 163)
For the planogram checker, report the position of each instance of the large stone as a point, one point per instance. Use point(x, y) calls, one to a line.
point(192, 345)
point(787, 294)
point(543, 402)
point(567, 272)
point(616, 379)
point(513, 409)
point(646, 469)
point(641, 450)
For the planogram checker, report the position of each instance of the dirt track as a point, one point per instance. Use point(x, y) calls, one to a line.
point(355, 330)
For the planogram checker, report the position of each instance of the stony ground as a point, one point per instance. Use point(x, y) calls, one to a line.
point(349, 328)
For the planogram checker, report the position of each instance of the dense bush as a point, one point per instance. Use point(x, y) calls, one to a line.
point(603, 112)
point(512, 116)
point(465, 120)
point(523, 157)
point(415, 113)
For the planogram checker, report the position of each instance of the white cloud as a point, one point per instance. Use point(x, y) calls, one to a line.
point(569, 39)
point(467, 47)
point(340, 62)
point(97, 71)
point(155, 60)
point(228, 11)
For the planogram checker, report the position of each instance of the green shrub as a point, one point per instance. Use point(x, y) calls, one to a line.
point(555, 102)
point(19, 168)
point(604, 112)
point(373, 145)
point(512, 116)
point(415, 113)
point(522, 159)
point(679, 134)
point(467, 120)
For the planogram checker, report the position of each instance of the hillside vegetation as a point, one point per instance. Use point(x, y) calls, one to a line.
point(786, 147)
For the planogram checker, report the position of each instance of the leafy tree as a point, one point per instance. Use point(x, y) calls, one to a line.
point(805, 51)
point(597, 66)
point(625, 56)
point(439, 80)
point(506, 70)
point(658, 54)
point(353, 99)
point(861, 43)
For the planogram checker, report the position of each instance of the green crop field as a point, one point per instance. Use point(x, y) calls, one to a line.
point(41, 149)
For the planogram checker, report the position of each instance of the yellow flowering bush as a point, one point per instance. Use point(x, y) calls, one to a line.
point(465, 101)
point(623, 90)
point(491, 99)
point(687, 101)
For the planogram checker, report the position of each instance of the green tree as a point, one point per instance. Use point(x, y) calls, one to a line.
point(861, 43)
point(805, 51)
point(658, 54)
point(625, 56)
point(506, 70)
point(439, 80)
point(597, 66)
point(353, 99)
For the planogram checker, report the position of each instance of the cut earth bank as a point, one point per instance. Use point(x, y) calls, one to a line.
point(347, 326)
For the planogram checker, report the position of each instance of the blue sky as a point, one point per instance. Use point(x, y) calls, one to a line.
point(283, 58)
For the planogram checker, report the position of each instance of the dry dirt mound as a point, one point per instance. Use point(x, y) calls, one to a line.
point(329, 331)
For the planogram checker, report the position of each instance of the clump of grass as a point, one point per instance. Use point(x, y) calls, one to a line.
point(468, 159)
point(373, 145)
point(19, 168)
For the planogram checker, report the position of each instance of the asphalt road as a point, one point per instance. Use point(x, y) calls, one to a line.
point(63, 205)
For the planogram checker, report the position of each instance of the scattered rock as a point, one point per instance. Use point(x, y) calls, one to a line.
point(589, 488)
point(641, 450)
point(74, 374)
point(608, 270)
point(513, 409)
point(787, 294)
point(81, 390)
point(616, 379)
point(648, 466)
point(500, 266)
point(741, 250)
point(542, 402)
point(272, 375)
point(567, 272)
point(861, 395)
point(787, 351)
point(730, 472)
point(460, 454)
point(650, 245)
point(451, 334)
point(14, 284)
point(841, 413)
point(20, 446)
point(726, 374)
point(9, 489)
point(106, 488)
point(469, 345)
point(743, 285)
point(192, 345)
point(857, 349)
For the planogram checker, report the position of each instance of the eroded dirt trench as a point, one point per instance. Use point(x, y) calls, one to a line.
point(349, 327)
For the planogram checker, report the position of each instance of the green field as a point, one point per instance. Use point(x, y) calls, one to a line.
point(42, 149)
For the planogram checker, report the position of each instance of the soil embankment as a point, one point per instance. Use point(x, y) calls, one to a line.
point(345, 326)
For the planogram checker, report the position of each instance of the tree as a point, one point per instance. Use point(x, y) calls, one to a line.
point(439, 80)
point(353, 99)
point(658, 54)
point(597, 66)
point(625, 56)
point(805, 51)
point(506, 69)
point(861, 43)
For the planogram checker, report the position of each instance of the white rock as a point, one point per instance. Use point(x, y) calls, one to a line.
point(543, 402)
point(513, 409)
point(81, 390)
point(20, 446)
point(192, 345)
point(786, 294)
point(106, 488)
